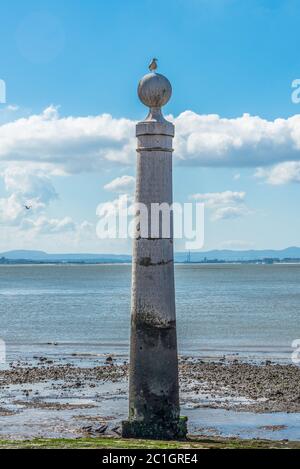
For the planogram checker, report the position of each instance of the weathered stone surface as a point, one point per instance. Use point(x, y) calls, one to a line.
point(154, 90)
point(153, 381)
point(176, 430)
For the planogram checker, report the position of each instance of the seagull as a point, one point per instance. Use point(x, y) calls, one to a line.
point(153, 65)
point(28, 207)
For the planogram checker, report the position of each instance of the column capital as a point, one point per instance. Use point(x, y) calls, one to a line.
point(155, 128)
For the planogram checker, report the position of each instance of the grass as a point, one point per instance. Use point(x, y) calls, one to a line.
point(119, 443)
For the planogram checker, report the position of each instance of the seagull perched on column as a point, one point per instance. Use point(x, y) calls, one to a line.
point(153, 65)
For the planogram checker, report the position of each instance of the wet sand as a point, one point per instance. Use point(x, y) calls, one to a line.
point(49, 398)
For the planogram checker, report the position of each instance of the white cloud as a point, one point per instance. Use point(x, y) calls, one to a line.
point(210, 140)
point(117, 207)
point(108, 227)
point(10, 209)
point(27, 185)
point(78, 144)
point(121, 184)
point(33, 148)
point(32, 184)
point(282, 173)
point(24, 186)
point(215, 199)
point(74, 144)
point(224, 205)
point(44, 225)
point(52, 236)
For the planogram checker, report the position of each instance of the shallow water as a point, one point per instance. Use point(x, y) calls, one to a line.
point(250, 310)
point(227, 423)
point(108, 404)
point(80, 313)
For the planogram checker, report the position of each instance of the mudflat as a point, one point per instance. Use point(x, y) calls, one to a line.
point(234, 385)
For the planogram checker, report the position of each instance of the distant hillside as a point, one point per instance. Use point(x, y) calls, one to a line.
point(221, 255)
point(45, 257)
point(230, 255)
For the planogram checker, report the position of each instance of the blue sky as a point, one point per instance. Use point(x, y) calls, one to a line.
point(82, 60)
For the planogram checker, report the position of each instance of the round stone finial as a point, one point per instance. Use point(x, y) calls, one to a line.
point(154, 90)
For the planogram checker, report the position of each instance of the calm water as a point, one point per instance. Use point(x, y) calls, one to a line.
point(252, 310)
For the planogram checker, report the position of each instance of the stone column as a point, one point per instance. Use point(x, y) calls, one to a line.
point(153, 382)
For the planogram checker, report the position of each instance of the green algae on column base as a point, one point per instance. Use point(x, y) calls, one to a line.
point(175, 430)
point(119, 443)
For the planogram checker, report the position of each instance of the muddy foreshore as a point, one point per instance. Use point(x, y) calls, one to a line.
point(266, 388)
point(224, 384)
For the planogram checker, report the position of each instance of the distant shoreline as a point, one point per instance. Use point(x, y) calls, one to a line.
point(24, 262)
point(290, 255)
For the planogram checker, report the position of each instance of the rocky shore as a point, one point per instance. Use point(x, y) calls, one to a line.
point(241, 386)
point(224, 384)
